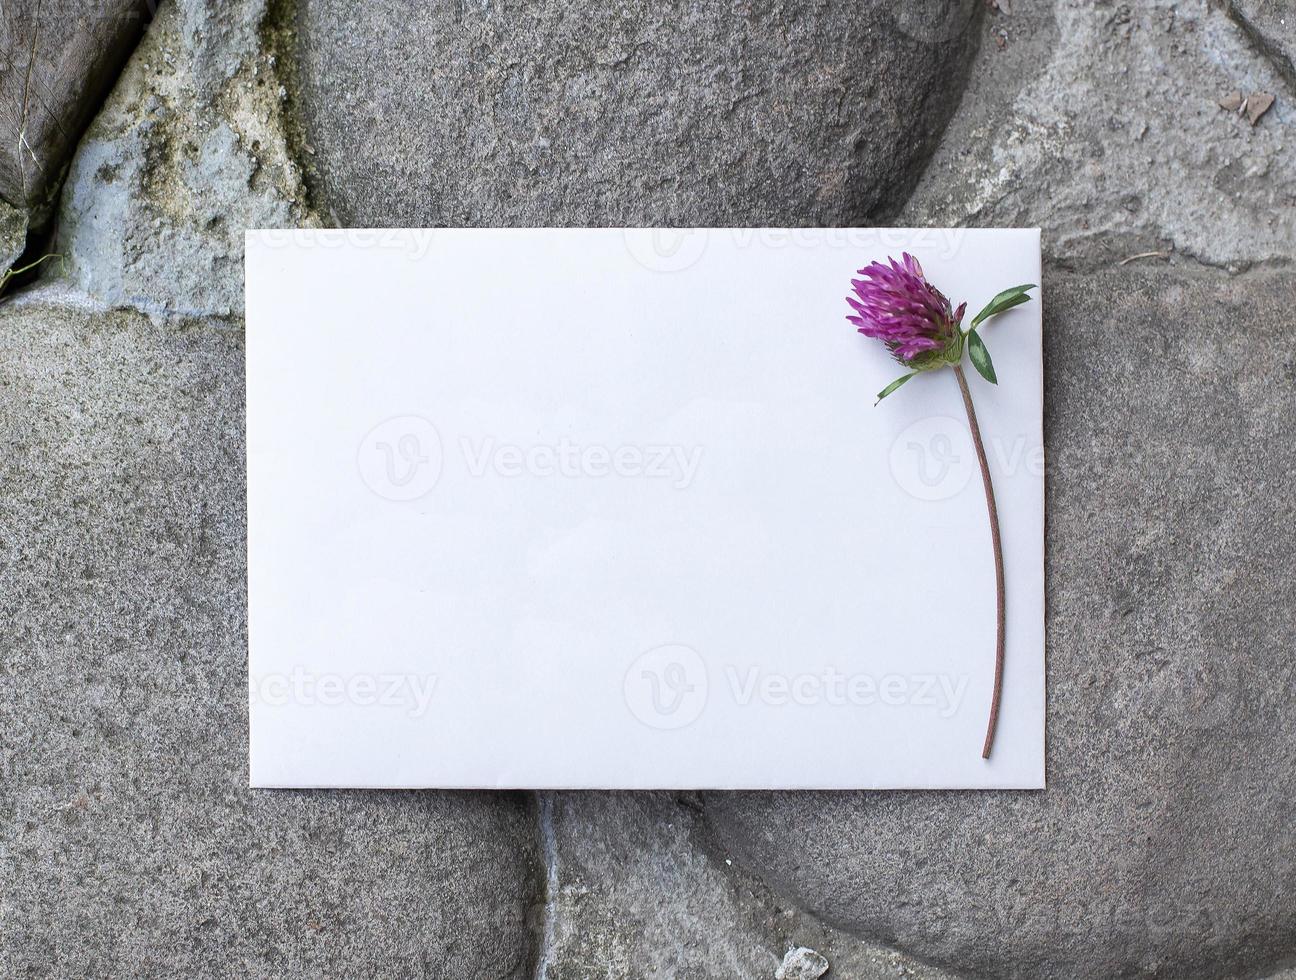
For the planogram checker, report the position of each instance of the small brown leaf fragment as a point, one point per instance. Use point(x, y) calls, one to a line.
point(1257, 104)
point(1232, 102)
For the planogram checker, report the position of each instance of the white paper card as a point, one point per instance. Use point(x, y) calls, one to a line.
point(614, 509)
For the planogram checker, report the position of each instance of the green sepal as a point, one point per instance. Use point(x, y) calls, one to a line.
point(1004, 301)
point(981, 358)
point(894, 385)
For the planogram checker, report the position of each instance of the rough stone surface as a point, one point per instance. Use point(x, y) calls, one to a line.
point(552, 112)
point(1100, 122)
point(13, 235)
point(130, 844)
point(186, 155)
point(57, 59)
point(1271, 26)
point(1163, 846)
point(801, 964)
point(638, 888)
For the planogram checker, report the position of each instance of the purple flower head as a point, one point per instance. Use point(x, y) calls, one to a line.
point(896, 304)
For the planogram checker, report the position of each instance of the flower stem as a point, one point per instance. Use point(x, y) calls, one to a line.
point(998, 560)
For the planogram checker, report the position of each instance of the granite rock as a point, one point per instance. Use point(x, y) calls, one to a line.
point(1271, 26)
point(130, 844)
point(638, 887)
point(13, 235)
point(187, 153)
point(554, 113)
point(1163, 846)
point(1100, 122)
point(801, 963)
point(57, 59)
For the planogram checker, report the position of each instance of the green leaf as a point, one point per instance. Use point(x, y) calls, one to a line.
point(1000, 306)
point(894, 385)
point(981, 358)
point(1004, 301)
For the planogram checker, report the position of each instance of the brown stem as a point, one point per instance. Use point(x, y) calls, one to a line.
point(998, 560)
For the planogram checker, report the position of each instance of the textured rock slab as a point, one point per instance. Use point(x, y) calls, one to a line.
point(13, 235)
point(130, 844)
point(1271, 25)
point(187, 154)
point(1164, 843)
point(57, 59)
point(801, 963)
point(639, 888)
point(565, 113)
point(1101, 123)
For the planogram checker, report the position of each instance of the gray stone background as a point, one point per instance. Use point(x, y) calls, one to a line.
point(140, 146)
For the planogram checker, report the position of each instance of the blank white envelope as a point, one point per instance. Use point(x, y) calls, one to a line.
point(614, 508)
